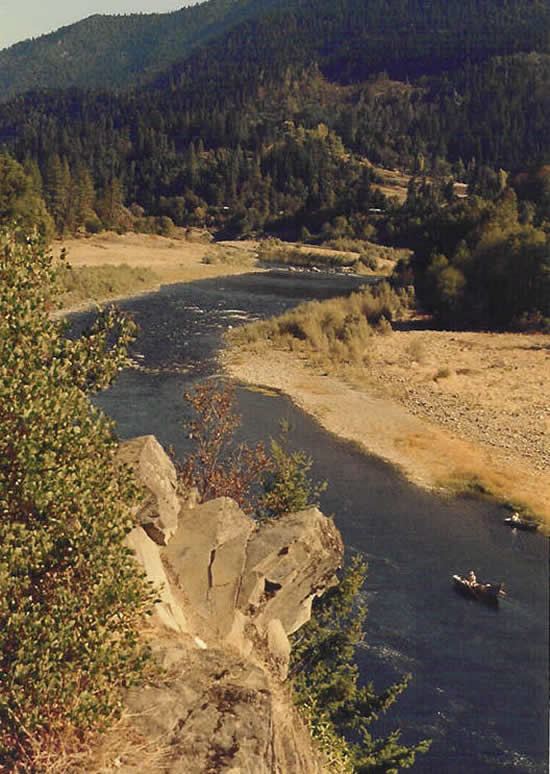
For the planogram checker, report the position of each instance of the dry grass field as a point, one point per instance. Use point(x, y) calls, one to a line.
point(145, 261)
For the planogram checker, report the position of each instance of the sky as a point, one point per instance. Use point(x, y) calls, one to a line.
point(22, 19)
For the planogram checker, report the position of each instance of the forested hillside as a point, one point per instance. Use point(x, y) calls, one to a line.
point(349, 38)
point(276, 125)
point(116, 51)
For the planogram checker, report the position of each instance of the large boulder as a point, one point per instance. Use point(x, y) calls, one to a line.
point(206, 557)
point(246, 582)
point(155, 474)
point(215, 712)
point(289, 561)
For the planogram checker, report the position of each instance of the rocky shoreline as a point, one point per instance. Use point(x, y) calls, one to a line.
point(485, 387)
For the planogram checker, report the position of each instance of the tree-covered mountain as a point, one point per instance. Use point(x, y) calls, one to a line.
point(117, 51)
point(274, 125)
point(350, 39)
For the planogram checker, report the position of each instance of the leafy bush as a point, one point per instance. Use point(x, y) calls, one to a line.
point(71, 597)
point(20, 198)
point(218, 467)
point(287, 486)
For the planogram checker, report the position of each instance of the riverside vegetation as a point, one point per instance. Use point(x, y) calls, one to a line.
point(73, 600)
point(336, 331)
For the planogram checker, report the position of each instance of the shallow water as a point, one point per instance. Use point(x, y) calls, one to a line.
point(480, 675)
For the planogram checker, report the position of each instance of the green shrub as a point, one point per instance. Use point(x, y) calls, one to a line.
point(287, 486)
point(93, 225)
point(71, 597)
point(326, 686)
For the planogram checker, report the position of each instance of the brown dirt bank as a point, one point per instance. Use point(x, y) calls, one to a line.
point(452, 410)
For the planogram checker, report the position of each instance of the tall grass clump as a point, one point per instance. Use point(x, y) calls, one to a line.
point(292, 256)
point(338, 329)
point(228, 256)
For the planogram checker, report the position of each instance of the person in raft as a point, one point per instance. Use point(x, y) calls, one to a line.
point(472, 580)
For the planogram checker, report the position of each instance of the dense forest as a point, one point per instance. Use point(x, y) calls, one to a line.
point(349, 39)
point(281, 118)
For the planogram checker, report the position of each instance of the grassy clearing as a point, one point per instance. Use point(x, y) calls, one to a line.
point(470, 484)
point(337, 330)
point(93, 283)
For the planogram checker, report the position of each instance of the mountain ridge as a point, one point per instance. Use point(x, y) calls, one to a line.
point(118, 50)
point(351, 39)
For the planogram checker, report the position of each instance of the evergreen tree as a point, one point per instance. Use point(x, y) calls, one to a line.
point(325, 681)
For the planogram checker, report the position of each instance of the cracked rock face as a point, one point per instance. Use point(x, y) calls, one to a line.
point(289, 561)
point(231, 592)
point(153, 469)
point(236, 575)
point(220, 714)
point(207, 555)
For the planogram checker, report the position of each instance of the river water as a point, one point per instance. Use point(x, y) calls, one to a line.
point(480, 675)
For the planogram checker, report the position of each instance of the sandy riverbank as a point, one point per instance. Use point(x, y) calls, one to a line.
point(435, 442)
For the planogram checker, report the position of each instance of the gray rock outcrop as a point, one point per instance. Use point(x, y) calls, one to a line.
point(153, 469)
point(231, 592)
point(206, 556)
point(218, 713)
point(289, 562)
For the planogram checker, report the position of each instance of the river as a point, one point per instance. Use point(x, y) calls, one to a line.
point(480, 675)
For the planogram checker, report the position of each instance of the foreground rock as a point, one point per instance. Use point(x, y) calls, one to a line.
point(219, 713)
point(158, 510)
point(230, 594)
